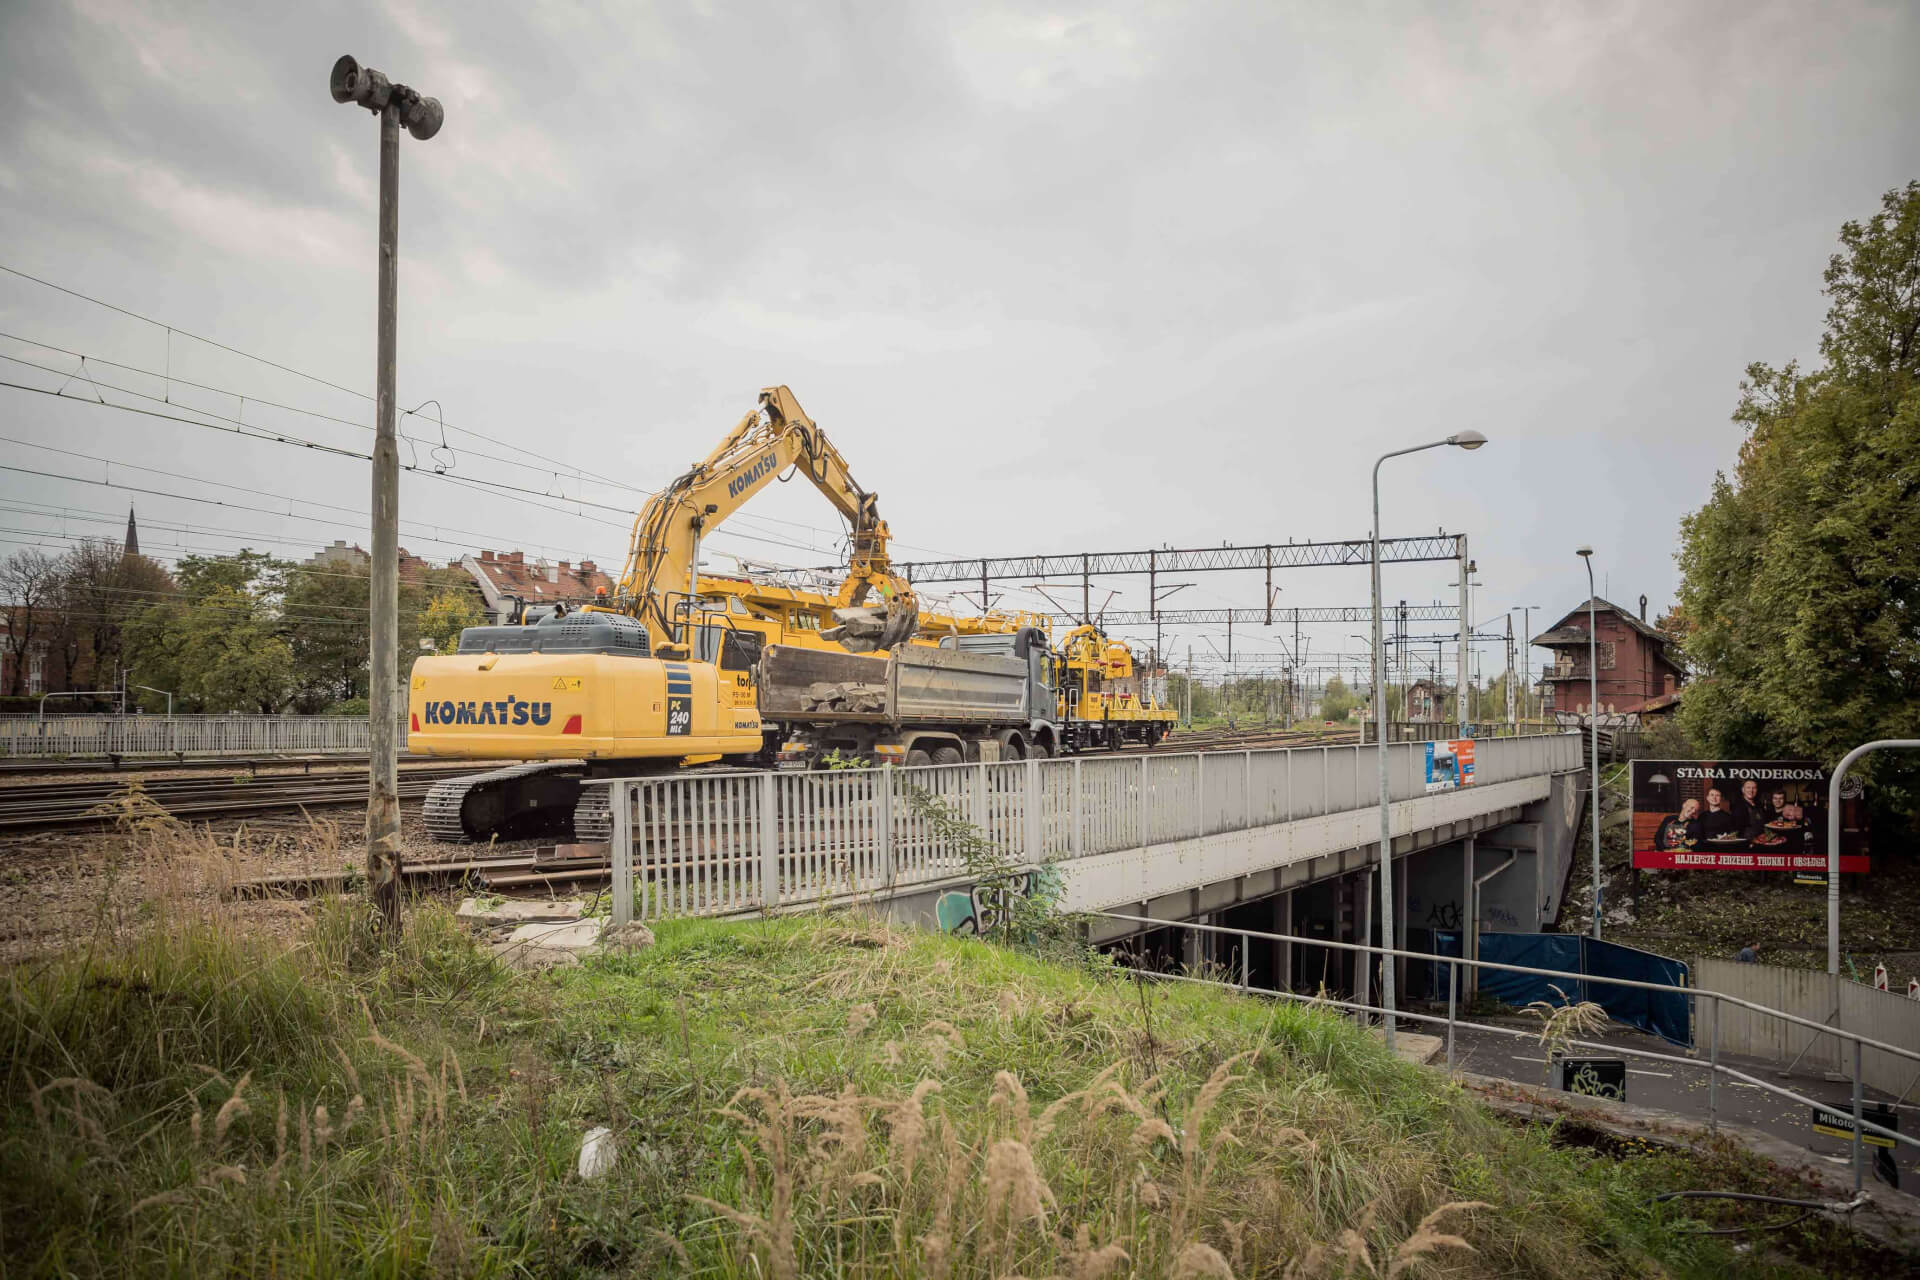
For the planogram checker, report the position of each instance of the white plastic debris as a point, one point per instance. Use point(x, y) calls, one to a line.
point(597, 1153)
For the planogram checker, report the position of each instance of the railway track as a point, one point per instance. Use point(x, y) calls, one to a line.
point(57, 805)
point(28, 767)
point(1252, 739)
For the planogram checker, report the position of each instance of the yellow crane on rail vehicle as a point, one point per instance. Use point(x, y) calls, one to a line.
point(1106, 700)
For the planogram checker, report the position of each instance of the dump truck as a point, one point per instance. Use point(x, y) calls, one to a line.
point(980, 697)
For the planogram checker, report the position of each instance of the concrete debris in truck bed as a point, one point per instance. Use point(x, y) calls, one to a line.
point(846, 695)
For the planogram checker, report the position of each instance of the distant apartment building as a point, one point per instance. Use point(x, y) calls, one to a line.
point(344, 558)
point(507, 576)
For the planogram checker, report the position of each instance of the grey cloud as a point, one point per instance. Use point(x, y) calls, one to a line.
point(1058, 277)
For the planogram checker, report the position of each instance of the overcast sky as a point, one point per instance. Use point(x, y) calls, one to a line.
point(1073, 278)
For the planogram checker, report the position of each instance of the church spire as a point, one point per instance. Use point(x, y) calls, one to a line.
point(132, 544)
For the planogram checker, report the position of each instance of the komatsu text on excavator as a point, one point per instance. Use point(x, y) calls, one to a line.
point(657, 677)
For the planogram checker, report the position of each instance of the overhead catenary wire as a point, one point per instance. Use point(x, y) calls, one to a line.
point(557, 466)
point(173, 329)
point(232, 506)
point(552, 465)
point(239, 426)
point(517, 493)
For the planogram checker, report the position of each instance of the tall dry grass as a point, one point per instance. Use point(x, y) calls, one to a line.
point(788, 1098)
point(929, 1194)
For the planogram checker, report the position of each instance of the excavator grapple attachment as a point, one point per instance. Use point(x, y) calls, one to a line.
point(865, 628)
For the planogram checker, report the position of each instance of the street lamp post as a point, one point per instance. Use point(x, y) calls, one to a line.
point(1593, 721)
point(1833, 838)
point(1464, 440)
point(396, 105)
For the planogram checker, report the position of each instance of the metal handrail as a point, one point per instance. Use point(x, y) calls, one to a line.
point(1519, 1033)
point(1429, 957)
point(1861, 1125)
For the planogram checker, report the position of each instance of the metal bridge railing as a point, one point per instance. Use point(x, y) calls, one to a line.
point(26, 737)
point(715, 843)
point(1713, 1065)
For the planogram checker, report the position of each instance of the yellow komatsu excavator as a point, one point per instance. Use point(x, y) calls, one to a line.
point(659, 677)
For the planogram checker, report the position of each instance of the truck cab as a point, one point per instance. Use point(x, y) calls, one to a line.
point(1028, 645)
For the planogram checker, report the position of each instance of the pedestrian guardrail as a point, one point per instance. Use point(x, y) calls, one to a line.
point(23, 737)
point(714, 843)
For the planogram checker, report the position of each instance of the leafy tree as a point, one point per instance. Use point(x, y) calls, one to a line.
point(1336, 700)
point(101, 590)
point(1801, 574)
point(326, 624)
point(218, 641)
point(446, 615)
point(1676, 626)
point(1490, 702)
point(29, 586)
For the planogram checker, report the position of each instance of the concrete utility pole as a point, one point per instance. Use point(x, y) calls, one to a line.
point(396, 105)
point(1526, 660)
point(1513, 721)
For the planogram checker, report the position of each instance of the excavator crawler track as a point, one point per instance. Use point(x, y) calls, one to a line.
point(593, 815)
point(518, 802)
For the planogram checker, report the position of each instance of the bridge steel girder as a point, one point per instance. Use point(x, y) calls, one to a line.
point(1262, 617)
point(1278, 555)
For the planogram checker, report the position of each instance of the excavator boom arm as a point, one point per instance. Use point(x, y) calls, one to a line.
point(775, 436)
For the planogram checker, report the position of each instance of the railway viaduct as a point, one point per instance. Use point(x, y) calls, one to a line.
point(1283, 840)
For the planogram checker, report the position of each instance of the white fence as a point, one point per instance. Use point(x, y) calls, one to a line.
point(1818, 997)
point(112, 735)
point(714, 843)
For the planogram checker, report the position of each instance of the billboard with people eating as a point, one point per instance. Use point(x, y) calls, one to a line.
point(1741, 815)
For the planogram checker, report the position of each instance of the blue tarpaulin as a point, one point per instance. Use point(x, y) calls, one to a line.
point(1664, 1014)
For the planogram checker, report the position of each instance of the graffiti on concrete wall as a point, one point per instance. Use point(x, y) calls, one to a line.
point(983, 908)
point(1492, 913)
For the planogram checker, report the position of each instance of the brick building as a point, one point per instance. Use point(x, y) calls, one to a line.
point(1429, 701)
point(1635, 669)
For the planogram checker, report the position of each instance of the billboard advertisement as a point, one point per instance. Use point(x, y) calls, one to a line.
point(1741, 815)
point(1449, 764)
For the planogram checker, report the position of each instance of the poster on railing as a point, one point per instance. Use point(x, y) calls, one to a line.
point(1741, 815)
point(1449, 764)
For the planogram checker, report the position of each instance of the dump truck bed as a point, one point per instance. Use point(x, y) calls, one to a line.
point(916, 684)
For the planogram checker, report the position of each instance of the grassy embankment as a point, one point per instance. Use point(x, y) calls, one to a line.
point(792, 1097)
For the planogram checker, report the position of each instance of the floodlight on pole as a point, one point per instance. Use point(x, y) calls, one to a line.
point(364, 87)
point(1463, 440)
point(396, 105)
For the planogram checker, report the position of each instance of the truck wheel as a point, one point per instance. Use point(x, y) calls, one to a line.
point(1039, 751)
point(916, 758)
point(947, 755)
point(1013, 749)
